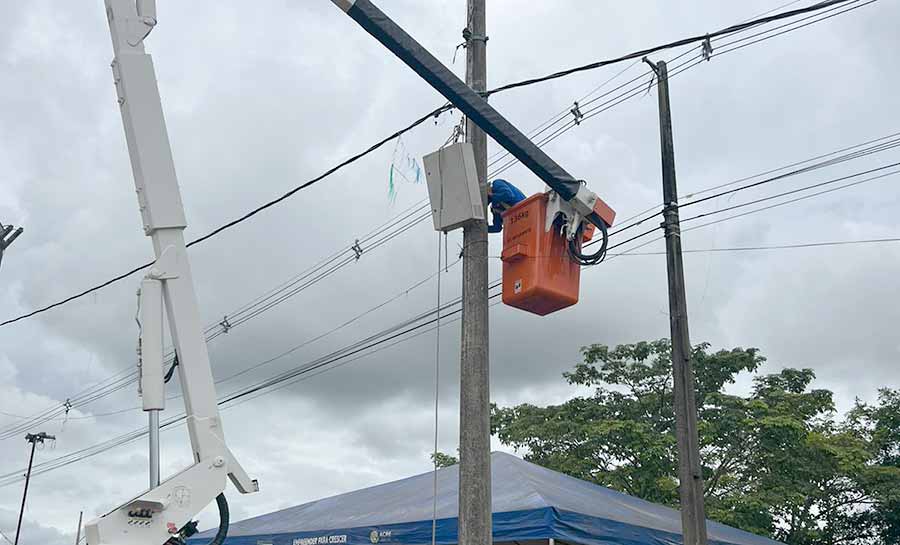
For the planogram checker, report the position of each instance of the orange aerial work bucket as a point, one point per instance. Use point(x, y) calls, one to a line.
point(539, 276)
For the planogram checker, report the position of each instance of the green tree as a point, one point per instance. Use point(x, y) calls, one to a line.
point(442, 459)
point(775, 462)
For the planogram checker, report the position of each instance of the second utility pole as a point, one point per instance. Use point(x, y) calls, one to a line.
point(34, 439)
point(690, 477)
point(474, 402)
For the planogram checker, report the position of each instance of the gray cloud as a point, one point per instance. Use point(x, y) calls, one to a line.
point(259, 101)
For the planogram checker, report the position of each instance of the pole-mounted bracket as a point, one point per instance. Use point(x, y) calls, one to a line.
point(469, 37)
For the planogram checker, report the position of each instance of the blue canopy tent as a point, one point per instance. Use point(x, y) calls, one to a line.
point(532, 505)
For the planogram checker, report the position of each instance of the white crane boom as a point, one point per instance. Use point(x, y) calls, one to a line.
point(153, 517)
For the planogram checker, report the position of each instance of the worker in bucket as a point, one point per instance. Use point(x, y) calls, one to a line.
point(502, 196)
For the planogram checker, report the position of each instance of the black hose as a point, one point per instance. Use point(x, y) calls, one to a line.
point(588, 259)
point(190, 528)
point(171, 371)
point(222, 504)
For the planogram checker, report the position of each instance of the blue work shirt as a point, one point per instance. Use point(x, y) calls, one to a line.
point(503, 195)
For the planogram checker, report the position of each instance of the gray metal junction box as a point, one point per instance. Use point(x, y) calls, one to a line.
point(453, 187)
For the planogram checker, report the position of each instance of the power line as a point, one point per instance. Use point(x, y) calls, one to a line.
point(393, 333)
point(360, 346)
point(795, 28)
point(312, 276)
point(641, 89)
point(856, 154)
point(790, 201)
point(432, 114)
point(120, 385)
point(830, 162)
point(767, 198)
point(807, 188)
point(671, 45)
point(495, 295)
point(234, 317)
point(880, 145)
point(401, 330)
point(757, 210)
point(15, 432)
point(791, 3)
point(772, 247)
point(291, 377)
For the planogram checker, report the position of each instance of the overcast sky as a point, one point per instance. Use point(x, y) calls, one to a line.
point(259, 99)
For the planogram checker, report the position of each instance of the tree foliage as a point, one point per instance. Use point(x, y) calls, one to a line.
point(442, 459)
point(776, 462)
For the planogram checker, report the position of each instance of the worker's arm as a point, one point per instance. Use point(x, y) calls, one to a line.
point(496, 224)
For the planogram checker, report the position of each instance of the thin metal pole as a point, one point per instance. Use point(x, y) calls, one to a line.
point(693, 512)
point(474, 427)
point(154, 448)
point(25, 494)
point(78, 533)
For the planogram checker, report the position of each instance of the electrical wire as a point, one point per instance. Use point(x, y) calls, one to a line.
point(806, 188)
point(294, 375)
point(726, 51)
point(437, 392)
point(401, 331)
point(790, 201)
point(672, 45)
point(312, 276)
point(81, 454)
point(432, 114)
point(216, 329)
point(880, 144)
point(403, 293)
point(754, 211)
point(772, 247)
point(691, 63)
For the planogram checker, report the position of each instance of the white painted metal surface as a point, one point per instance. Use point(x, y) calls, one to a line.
point(453, 187)
point(573, 212)
point(152, 387)
point(155, 515)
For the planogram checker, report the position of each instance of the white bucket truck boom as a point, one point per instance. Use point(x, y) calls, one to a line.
point(161, 513)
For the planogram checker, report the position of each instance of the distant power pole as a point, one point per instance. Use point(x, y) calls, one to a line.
point(475, 395)
point(690, 476)
point(34, 439)
point(7, 236)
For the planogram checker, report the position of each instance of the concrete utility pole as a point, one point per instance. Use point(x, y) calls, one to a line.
point(7, 236)
point(34, 439)
point(475, 395)
point(690, 476)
